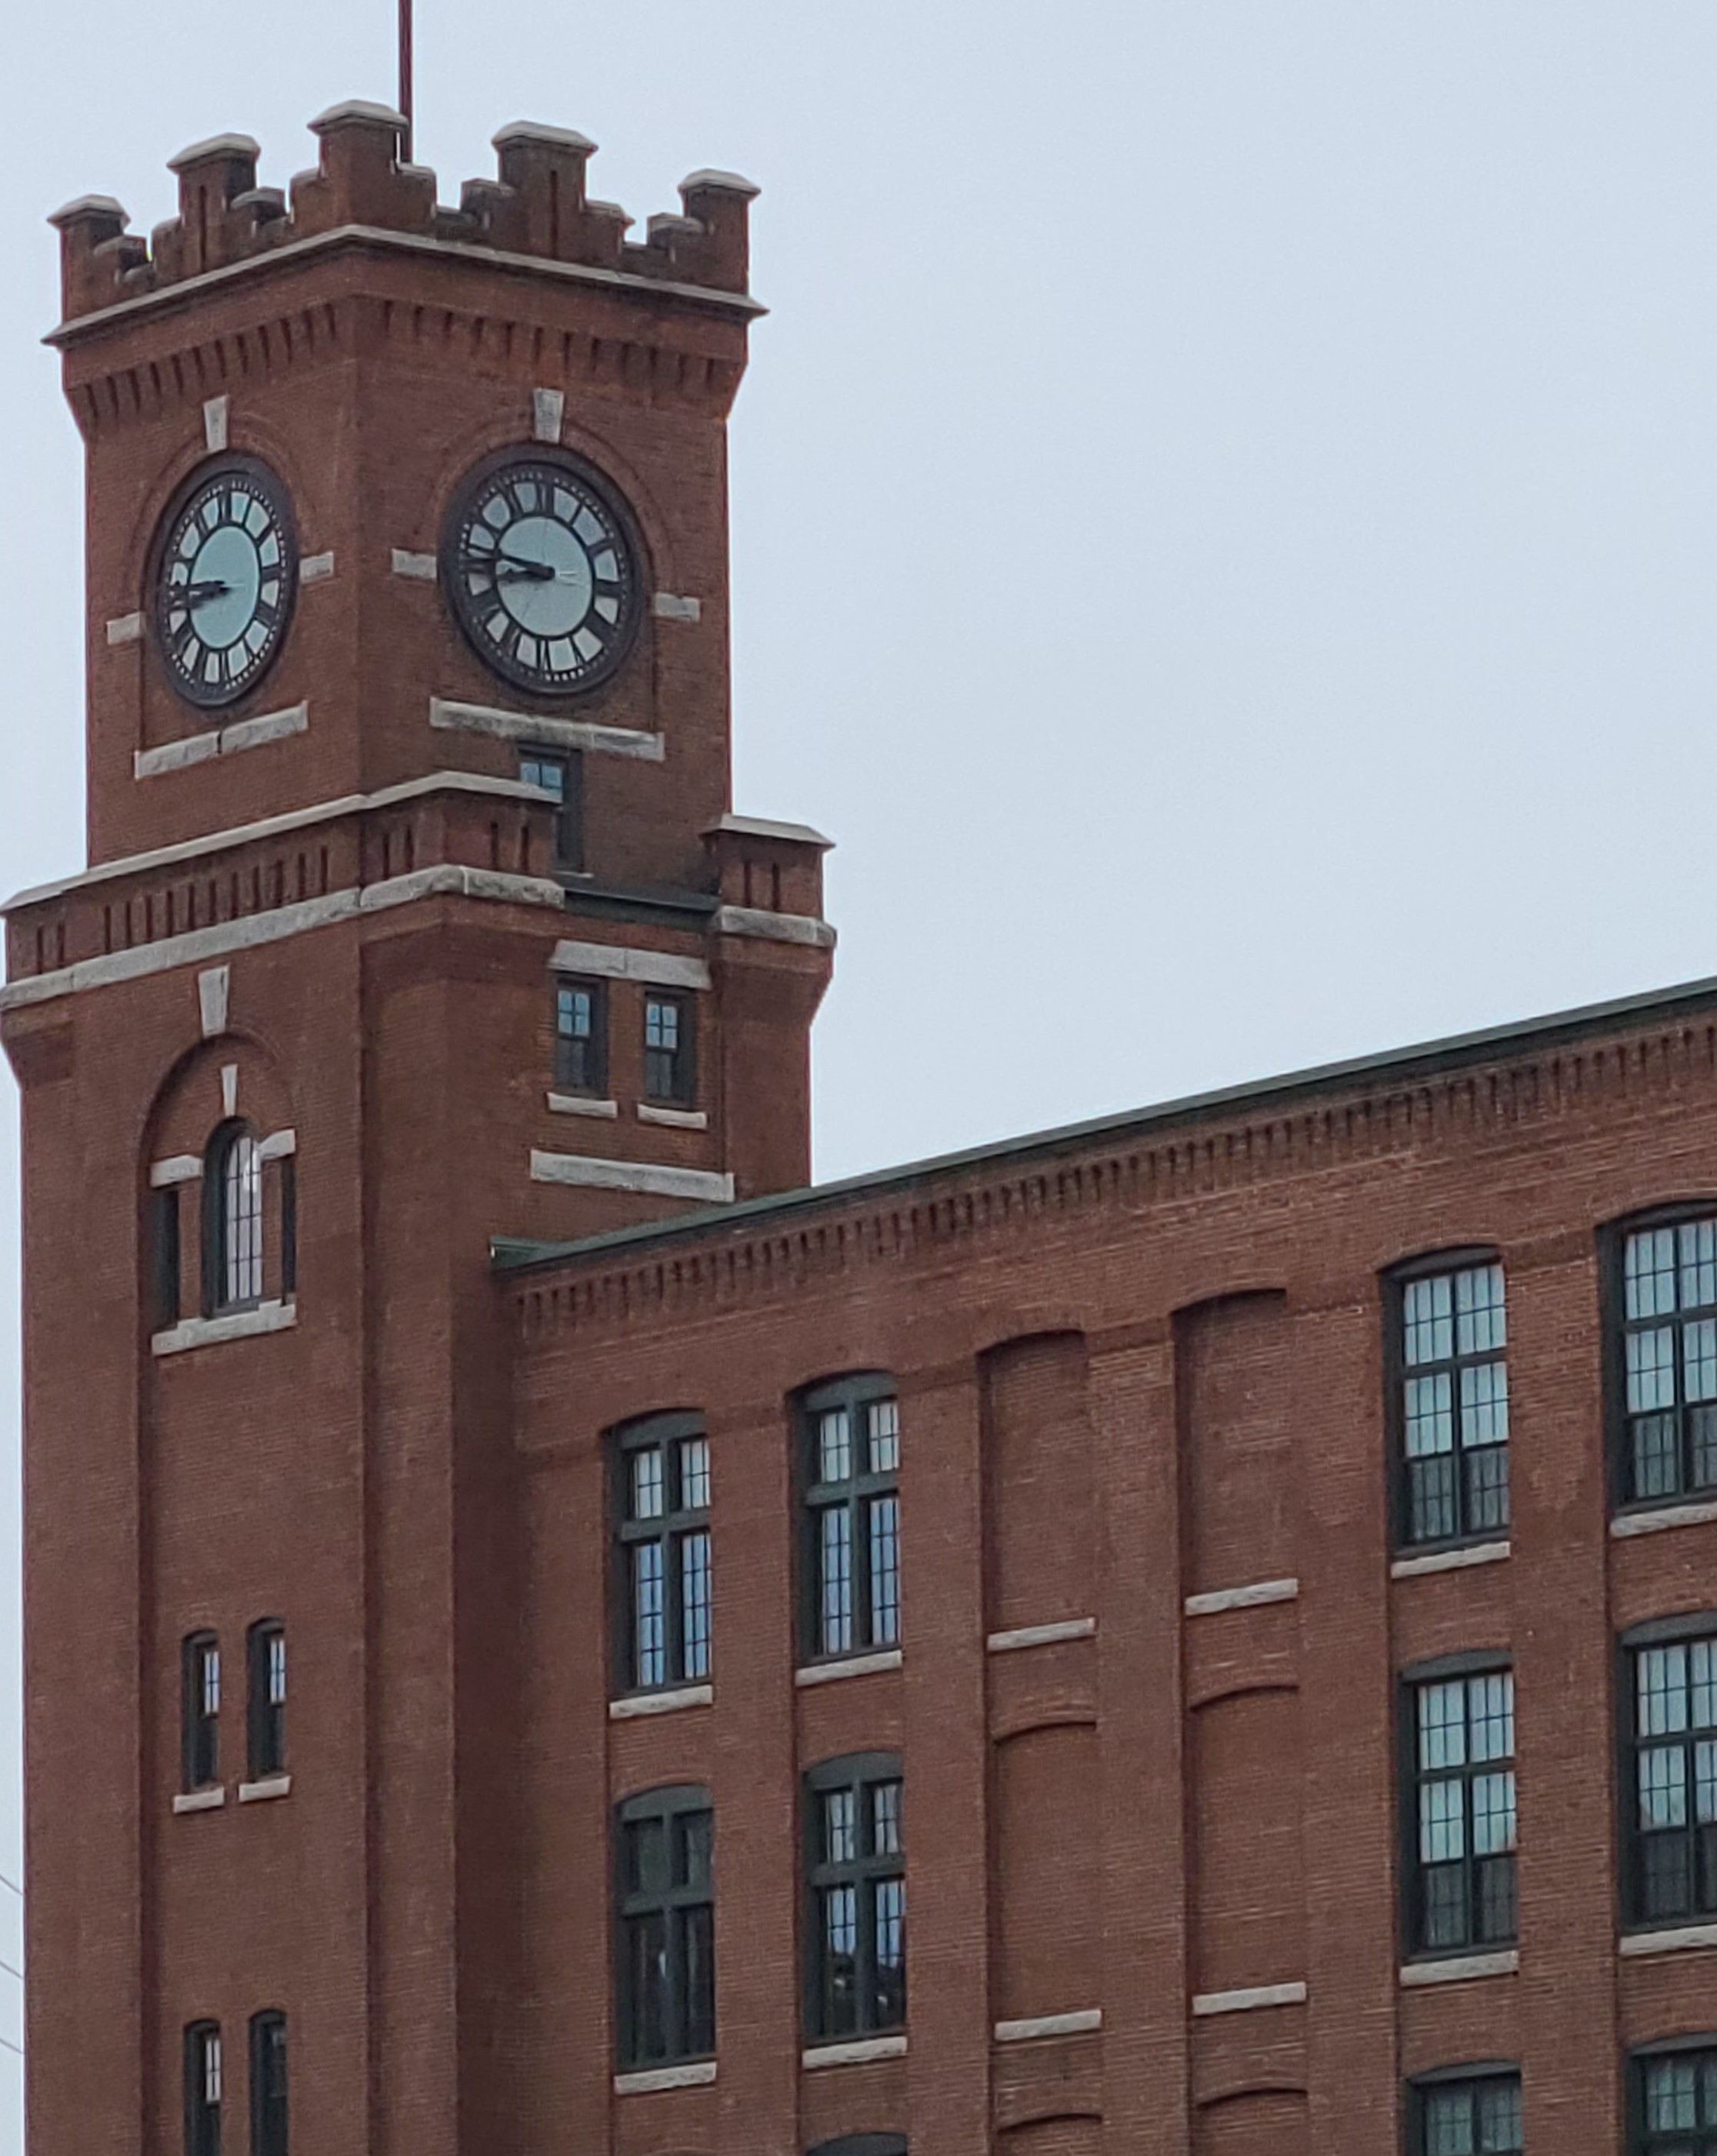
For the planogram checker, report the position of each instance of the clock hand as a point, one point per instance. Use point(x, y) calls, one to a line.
point(198, 595)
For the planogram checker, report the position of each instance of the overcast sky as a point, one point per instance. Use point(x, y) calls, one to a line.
point(1223, 522)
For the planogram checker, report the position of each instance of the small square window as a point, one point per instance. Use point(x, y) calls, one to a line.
point(562, 776)
point(670, 1073)
point(582, 1038)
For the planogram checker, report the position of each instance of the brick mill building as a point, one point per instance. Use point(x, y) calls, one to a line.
point(1190, 1635)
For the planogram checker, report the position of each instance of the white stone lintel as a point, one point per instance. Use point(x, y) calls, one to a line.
point(577, 1104)
point(671, 606)
point(854, 1665)
point(200, 1800)
point(549, 733)
point(214, 995)
point(1041, 1635)
point(548, 413)
point(220, 741)
point(125, 628)
point(1250, 2000)
point(644, 1704)
point(756, 920)
point(421, 569)
point(615, 962)
point(266, 1791)
point(237, 1325)
point(861, 2053)
point(182, 1168)
point(672, 1119)
point(1460, 1968)
point(216, 414)
point(1038, 2025)
point(278, 1145)
point(642, 1178)
point(1256, 1597)
point(316, 569)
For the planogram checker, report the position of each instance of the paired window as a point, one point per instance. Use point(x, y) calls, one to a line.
point(265, 1656)
point(1674, 2103)
point(857, 1877)
point(667, 1928)
point(1669, 1360)
point(663, 1474)
point(582, 1038)
point(268, 2084)
point(562, 776)
point(204, 2090)
point(1453, 1404)
point(1673, 1780)
point(851, 1469)
point(200, 1705)
point(670, 1078)
point(1473, 2114)
point(1461, 1878)
point(233, 1238)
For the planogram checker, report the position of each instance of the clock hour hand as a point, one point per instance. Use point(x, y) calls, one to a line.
point(509, 569)
point(197, 595)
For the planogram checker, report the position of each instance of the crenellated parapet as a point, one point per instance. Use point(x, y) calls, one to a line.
point(538, 206)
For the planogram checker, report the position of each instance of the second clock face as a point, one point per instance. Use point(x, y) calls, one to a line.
point(541, 575)
point(225, 584)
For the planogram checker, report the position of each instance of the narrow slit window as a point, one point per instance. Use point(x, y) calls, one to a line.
point(267, 2085)
point(201, 1685)
point(267, 1687)
point(582, 1038)
point(234, 1193)
point(670, 1073)
point(203, 2090)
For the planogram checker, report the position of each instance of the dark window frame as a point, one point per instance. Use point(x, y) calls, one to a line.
point(199, 1724)
point(675, 1904)
point(1683, 1630)
point(679, 1089)
point(1617, 1327)
point(859, 1774)
point(1674, 2141)
point(270, 2116)
point(569, 811)
point(1398, 1282)
point(854, 1498)
point(1463, 1668)
point(676, 1532)
point(863, 2144)
point(266, 1716)
point(593, 1084)
point(202, 2116)
point(219, 1223)
point(1478, 2078)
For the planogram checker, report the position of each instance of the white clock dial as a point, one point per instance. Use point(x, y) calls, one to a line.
point(225, 582)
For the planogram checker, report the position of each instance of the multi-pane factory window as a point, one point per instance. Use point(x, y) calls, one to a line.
point(1668, 1373)
point(1672, 1790)
point(666, 1928)
point(851, 1465)
point(1453, 1404)
point(268, 2084)
point(233, 1186)
point(200, 1711)
point(266, 1656)
point(561, 776)
point(582, 1037)
point(1673, 2102)
point(202, 2089)
point(1463, 1823)
point(1471, 2115)
point(856, 1927)
point(670, 1065)
point(661, 1473)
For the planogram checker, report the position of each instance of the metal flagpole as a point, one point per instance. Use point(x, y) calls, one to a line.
point(405, 73)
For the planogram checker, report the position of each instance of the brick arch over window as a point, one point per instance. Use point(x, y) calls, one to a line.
point(219, 1187)
point(1262, 2123)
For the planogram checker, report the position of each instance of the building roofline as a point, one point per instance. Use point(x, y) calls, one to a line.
point(1429, 1058)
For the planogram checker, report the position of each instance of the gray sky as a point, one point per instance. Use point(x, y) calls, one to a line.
point(1223, 522)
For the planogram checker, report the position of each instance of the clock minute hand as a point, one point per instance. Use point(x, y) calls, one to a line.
point(197, 595)
point(516, 572)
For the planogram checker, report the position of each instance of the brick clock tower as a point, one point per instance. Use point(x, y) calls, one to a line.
point(416, 914)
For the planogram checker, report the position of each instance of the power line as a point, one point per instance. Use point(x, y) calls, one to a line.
point(8, 2044)
point(5, 1881)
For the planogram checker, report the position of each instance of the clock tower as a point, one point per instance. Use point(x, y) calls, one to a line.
point(416, 916)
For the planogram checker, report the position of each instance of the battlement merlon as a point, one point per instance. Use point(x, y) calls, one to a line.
point(537, 207)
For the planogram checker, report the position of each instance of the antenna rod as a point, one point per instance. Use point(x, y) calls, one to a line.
point(405, 73)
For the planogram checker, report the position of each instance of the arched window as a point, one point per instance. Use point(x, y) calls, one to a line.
point(856, 1852)
point(232, 1188)
point(202, 2089)
point(265, 1656)
point(268, 2084)
point(666, 1928)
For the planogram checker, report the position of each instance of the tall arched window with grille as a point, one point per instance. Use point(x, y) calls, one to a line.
point(232, 1242)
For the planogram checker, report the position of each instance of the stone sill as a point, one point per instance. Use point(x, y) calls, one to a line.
point(1038, 2025)
point(1257, 1597)
point(199, 1800)
point(581, 1104)
point(661, 1703)
point(263, 1792)
point(657, 2079)
point(860, 2054)
point(1682, 1938)
point(855, 1665)
point(237, 1325)
point(1251, 2000)
point(1460, 1968)
point(1696, 1515)
point(1041, 1635)
point(1450, 1560)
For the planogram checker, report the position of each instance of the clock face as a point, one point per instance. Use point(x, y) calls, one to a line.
point(542, 575)
point(224, 585)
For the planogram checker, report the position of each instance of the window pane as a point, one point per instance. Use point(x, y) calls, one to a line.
point(884, 1419)
point(1442, 1725)
point(694, 1842)
point(840, 1826)
point(1672, 2098)
point(1487, 1473)
point(1493, 1815)
point(695, 1474)
point(885, 1571)
point(1499, 2127)
point(1651, 1370)
point(208, 1663)
point(1662, 1788)
point(1449, 2123)
point(834, 1446)
point(1492, 1702)
point(834, 1536)
point(646, 1959)
point(649, 1616)
point(1656, 1457)
point(840, 1960)
point(1443, 1823)
point(647, 1484)
point(889, 2006)
point(1485, 1404)
point(698, 2007)
point(277, 1668)
point(1428, 1314)
point(885, 1819)
point(1480, 1325)
point(1431, 1488)
point(241, 1221)
point(1648, 1271)
point(694, 1604)
point(1430, 1414)
point(1696, 1249)
point(1661, 1682)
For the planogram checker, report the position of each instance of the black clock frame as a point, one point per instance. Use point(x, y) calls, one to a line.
point(266, 484)
point(611, 503)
